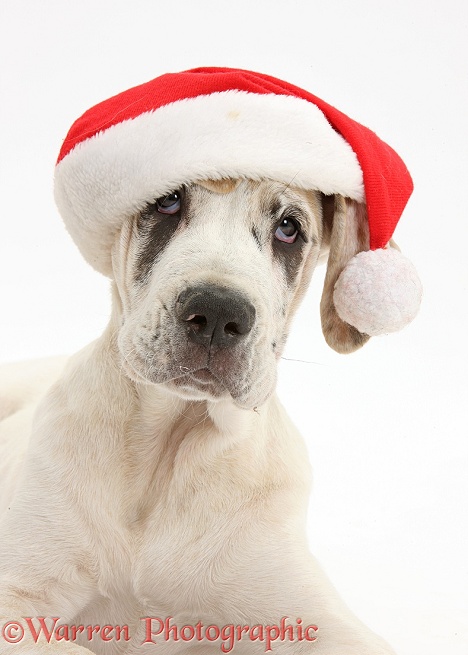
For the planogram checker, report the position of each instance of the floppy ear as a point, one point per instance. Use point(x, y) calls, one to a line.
point(347, 232)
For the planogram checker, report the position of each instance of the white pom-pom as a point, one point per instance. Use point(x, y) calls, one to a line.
point(378, 291)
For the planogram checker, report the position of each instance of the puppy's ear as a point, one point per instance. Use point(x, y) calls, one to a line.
point(346, 232)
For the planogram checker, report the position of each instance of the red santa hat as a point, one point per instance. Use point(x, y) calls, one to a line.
point(214, 123)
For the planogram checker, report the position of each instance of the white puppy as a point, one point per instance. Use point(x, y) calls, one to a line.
point(161, 476)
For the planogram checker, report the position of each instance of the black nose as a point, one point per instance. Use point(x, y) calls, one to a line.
point(214, 315)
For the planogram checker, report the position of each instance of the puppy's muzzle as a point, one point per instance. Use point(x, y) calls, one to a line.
point(215, 316)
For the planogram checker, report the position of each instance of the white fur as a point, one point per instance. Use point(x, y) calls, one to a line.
point(113, 175)
point(378, 292)
point(135, 500)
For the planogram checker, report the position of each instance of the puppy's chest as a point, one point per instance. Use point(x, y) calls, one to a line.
point(188, 525)
point(185, 551)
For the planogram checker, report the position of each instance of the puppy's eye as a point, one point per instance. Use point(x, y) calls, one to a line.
point(169, 204)
point(287, 230)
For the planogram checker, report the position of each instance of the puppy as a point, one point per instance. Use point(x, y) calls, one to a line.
point(161, 482)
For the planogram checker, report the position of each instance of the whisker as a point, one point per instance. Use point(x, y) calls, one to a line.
point(303, 361)
point(289, 183)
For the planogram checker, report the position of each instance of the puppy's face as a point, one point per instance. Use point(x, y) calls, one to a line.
point(209, 277)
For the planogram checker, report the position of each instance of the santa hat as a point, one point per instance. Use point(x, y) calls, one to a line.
point(214, 123)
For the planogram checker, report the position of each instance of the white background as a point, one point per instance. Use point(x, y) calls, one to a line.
point(387, 426)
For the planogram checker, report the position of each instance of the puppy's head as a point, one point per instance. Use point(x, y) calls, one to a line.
point(209, 277)
point(210, 274)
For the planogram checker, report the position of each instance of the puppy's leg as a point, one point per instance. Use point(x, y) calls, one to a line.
point(17, 638)
point(37, 579)
point(321, 624)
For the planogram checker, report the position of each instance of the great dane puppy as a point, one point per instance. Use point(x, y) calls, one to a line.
point(158, 502)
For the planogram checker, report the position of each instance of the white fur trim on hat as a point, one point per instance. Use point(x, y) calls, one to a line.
point(378, 291)
point(115, 173)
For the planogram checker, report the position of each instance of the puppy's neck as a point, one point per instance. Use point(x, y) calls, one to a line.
point(171, 443)
point(162, 421)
